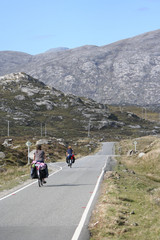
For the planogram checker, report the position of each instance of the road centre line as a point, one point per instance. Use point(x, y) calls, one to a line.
point(13, 193)
point(84, 216)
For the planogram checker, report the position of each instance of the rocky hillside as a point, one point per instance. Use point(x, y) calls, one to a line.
point(127, 71)
point(32, 108)
point(30, 105)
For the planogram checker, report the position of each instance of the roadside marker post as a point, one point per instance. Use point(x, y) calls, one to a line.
point(28, 144)
point(135, 143)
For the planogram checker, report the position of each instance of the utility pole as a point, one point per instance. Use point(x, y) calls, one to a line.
point(41, 130)
point(8, 128)
point(89, 129)
point(142, 113)
point(45, 130)
point(145, 113)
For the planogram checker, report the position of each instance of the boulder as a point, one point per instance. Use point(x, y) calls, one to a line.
point(42, 141)
point(8, 142)
point(141, 154)
point(2, 155)
point(31, 154)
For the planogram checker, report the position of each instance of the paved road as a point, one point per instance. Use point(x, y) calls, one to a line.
point(57, 210)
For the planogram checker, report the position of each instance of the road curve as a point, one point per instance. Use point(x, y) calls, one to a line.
point(60, 210)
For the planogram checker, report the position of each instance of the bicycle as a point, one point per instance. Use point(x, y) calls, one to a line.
point(41, 172)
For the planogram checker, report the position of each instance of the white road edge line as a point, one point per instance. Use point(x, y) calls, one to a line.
point(84, 216)
point(28, 185)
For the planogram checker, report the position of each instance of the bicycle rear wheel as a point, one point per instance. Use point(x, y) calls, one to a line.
point(40, 182)
point(70, 163)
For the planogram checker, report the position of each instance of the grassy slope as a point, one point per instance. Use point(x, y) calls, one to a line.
point(129, 204)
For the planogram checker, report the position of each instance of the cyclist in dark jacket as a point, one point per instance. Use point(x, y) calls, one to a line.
point(69, 154)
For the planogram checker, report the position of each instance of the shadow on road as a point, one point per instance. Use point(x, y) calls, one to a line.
point(68, 185)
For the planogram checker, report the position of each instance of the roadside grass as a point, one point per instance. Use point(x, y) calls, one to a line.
point(129, 202)
point(14, 176)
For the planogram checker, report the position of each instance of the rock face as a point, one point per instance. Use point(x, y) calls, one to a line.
point(125, 72)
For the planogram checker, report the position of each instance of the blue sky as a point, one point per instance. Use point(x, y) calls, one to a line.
point(34, 26)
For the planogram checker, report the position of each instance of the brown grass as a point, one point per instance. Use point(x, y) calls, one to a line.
point(129, 203)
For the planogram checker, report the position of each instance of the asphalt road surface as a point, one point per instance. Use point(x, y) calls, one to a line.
point(61, 209)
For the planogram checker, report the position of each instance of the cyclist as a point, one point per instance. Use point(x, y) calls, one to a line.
point(39, 156)
point(69, 154)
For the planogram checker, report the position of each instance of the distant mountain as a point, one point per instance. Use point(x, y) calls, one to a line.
point(57, 49)
point(124, 72)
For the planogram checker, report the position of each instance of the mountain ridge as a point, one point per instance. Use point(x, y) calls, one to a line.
point(124, 72)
